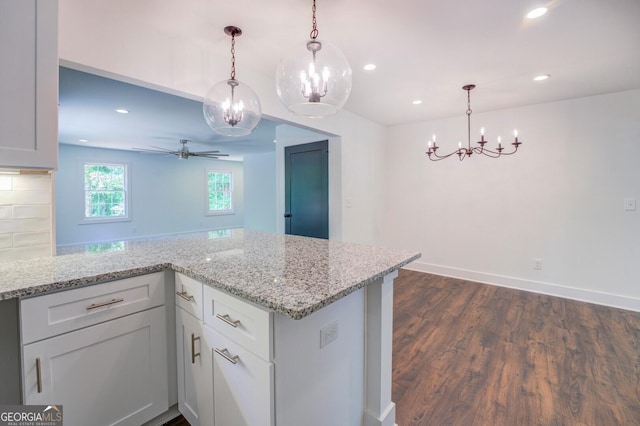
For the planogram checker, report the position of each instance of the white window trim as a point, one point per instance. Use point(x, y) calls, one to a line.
point(208, 212)
point(127, 198)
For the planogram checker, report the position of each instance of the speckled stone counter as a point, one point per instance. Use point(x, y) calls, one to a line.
point(290, 275)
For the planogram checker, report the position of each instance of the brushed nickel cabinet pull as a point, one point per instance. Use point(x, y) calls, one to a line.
point(193, 348)
point(38, 375)
point(224, 353)
point(226, 318)
point(186, 296)
point(100, 305)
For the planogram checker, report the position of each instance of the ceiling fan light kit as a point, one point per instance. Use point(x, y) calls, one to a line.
point(468, 151)
point(315, 80)
point(230, 107)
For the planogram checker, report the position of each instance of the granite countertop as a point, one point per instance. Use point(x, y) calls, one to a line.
point(291, 275)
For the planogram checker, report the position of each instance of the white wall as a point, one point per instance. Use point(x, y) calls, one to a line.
point(560, 199)
point(139, 52)
point(25, 216)
point(260, 191)
point(167, 195)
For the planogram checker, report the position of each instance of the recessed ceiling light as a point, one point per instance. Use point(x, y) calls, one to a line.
point(417, 102)
point(122, 111)
point(541, 77)
point(370, 67)
point(82, 140)
point(537, 12)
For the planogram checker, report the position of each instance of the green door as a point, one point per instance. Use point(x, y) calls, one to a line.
point(307, 189)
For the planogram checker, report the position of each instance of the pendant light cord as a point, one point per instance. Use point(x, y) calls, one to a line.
point(469, 118)
point(314, 31)
point(233, 56)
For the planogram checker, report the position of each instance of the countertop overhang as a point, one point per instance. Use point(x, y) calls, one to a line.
point(291, 275)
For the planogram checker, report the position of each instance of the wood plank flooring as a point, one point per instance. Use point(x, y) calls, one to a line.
point(472, 354)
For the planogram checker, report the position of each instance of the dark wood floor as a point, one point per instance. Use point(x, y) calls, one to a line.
point(472, 354)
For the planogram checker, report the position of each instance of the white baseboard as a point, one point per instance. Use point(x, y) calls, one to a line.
point(590, 296)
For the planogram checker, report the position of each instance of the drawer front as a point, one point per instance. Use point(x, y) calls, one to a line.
point(189, 295)
point(242, 322)
point(243, 384)
point(57, 313)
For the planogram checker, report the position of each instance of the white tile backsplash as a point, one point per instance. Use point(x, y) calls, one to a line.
point(6, 241)
point(31, 239)
point(6, 212)
point(30, 212)
point(5, 182)
point(25, 216)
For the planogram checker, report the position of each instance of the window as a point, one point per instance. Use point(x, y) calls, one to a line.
point(105, 192)
point(219, 192)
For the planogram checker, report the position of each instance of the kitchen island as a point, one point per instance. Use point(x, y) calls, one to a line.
point(305, 283)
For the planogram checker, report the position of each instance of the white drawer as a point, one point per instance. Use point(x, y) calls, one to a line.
point(64, 311)
point(242, 322)
point(242, 383)
point(189, 295)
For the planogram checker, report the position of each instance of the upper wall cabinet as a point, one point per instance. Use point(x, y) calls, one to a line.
point(29, 83)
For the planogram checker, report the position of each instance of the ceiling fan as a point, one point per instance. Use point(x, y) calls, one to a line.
point(183, 152)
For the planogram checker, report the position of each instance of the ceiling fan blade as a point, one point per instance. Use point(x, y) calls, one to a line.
point(154, 151)
point(207, 152)
point(199, 154)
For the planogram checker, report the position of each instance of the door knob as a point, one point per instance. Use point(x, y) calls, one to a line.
point(287, 215)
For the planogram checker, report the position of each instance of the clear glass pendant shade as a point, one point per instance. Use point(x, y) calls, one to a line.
point(232, 108)
point(315, 80)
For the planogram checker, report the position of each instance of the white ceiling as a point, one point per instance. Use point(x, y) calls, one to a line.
point(423, 49)
point(87, 117)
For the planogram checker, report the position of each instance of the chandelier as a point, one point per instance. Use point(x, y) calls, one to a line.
point(314, 81)
point(230, 107)
point(463, 152)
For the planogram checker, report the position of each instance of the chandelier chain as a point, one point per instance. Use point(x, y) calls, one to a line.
point(314, 31)
point(233, 56)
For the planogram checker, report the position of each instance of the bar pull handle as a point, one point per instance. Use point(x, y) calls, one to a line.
point(38, 375)
point(224, 353)
point(193, 348)
point(186, 296)
point(226, 318)
point(100, 305)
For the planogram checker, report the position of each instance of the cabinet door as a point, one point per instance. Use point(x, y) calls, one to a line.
point(113, 373)
point(29, 83)
point(195, 381)
point(242, 384)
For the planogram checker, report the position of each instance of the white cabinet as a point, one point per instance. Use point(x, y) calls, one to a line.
point(29, 83)
point(232, 349)
point(111, 369)
point(195, 380)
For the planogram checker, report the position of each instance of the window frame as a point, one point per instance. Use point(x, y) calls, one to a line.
point(232, 192)
point(127, 194)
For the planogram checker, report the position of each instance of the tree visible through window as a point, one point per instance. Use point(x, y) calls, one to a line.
point(105, 189)
point(220, 192)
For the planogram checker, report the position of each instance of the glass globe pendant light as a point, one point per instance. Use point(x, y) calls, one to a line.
point(230, 107)
point(315, 80)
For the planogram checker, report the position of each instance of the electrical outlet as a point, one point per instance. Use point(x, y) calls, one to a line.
point(537, 264)
point(630, 204)
point(328, 334)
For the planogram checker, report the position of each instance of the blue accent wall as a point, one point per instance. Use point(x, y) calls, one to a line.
point(167, 195)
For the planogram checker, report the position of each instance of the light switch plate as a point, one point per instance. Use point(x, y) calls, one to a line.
point(629, 204)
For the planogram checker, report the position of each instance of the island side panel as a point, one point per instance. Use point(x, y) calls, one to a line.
point(315, 385)
point(379, 409)
point(10, 390)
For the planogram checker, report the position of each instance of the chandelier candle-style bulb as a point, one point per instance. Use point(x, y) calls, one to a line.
point(469, 150)
point(230, 107)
